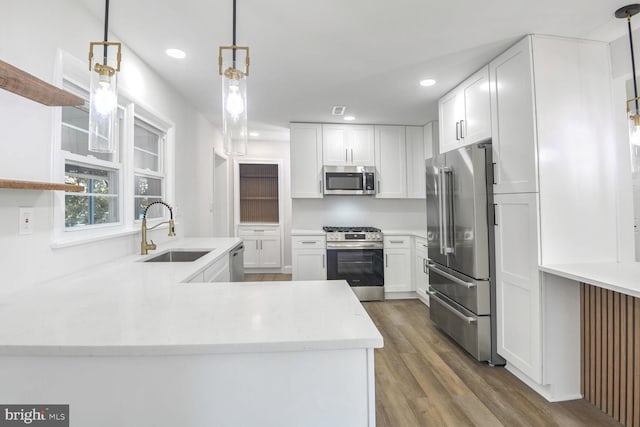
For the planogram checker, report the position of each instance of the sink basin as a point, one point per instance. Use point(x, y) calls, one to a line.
point(177, 255)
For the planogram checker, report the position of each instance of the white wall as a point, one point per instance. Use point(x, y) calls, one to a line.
point(396, 214)
point(30, 35)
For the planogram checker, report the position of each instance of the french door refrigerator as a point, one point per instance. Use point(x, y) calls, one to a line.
point(460, 218)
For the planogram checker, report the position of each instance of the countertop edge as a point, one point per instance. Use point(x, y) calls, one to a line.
point(611, 275)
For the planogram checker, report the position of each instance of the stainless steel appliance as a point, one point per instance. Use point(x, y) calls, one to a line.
point(236, 263)
point(355, 254)
point(349, 180)
point(460, 249)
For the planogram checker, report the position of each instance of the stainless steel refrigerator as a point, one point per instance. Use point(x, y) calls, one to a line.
point(460, 218)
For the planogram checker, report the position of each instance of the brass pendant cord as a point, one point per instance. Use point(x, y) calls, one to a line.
point(633, 62)
point(106, 30)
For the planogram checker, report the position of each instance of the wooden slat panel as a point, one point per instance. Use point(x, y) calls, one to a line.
point(598, 354)
point(603, 346)
point(636, 365)
point(630, 372)
point(583, 340)
point(592, 332)
point(616, 356)
point(623, 358)
point(609, 347)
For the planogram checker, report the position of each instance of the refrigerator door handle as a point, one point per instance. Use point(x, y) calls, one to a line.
point(452, 310)
point(447, 209)
point(441, 213)
point(434, 267)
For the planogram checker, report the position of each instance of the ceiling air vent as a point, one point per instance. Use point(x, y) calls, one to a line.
point(338, 110)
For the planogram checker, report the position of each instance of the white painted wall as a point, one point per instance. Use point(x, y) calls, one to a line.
point(30, 35)
point(409, 214)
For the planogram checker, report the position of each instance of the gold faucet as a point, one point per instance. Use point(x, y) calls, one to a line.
point(144, 246)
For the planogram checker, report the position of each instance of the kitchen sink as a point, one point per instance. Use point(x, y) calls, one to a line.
point(179, 255)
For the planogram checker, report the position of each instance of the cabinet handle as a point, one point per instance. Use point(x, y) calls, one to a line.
point(312, 242)
point(493, 173)
point(378, 186)
point(457, 131)
point(346, 155)
point(320, 186)
point(352, 155)
point(323, 255)
point(462, 129)
point(256, 245)
point(495, 214)
point(424, 265)
point(260, 244)
point(396, 241)
point(386, 260)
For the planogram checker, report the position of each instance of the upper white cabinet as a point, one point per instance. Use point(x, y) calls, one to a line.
point(306, 160)
point(416, 155)
point(514, 128)
point(465, 113)
point(348, 145)
point(391, 161)
point(431, 140)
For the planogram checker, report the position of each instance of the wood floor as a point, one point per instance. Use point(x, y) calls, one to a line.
point(267, 277)
point(424, 379)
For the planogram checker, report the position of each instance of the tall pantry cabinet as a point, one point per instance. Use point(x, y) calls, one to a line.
point(553, 153)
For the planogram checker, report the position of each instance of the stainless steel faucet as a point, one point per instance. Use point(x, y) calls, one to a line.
point(144, 246)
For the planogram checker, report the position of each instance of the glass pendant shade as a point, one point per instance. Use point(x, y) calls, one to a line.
point(234, 112)
point(103, 107)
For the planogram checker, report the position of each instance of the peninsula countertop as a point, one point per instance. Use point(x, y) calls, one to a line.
point(619, 277)
point(128, 307)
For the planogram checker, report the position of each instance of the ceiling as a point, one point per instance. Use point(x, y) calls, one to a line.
point(368, 55)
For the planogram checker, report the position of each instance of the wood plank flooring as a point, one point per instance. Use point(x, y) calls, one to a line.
point(424, 379)
point(267, 277)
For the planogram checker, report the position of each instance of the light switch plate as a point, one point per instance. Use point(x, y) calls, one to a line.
point(26, 221)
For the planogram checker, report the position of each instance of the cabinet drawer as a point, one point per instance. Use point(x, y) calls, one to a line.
point(256, 231)
point(309, 242)
point(397, 242)
point(420, 246)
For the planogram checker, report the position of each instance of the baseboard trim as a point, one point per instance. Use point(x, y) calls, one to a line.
point(400, 295)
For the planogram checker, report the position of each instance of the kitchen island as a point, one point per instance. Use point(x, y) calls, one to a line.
point(131, 344)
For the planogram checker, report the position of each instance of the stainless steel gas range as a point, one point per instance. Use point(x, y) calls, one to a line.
point(355, 254)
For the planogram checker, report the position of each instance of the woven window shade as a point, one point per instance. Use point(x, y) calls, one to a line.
point(259, 193)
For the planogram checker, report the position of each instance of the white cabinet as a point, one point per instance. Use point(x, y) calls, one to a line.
point(218, 271)
point(517, 282)
point(309, 258)
point(261, 246)
point(416, 155)
point(397, 264)
point(420, 272)
point(431, 143)
point(348, 145)
point(306, 160)
point(391, 162)
point(465, 113)
point(514, 128)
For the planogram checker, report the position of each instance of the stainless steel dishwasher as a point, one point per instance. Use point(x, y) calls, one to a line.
point(236, 263)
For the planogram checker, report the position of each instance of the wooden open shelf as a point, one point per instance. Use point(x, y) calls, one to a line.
point(24, 84)
point(36, 185)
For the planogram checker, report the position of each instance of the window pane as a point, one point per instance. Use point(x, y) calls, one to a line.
point(75, 134)
point(145, 186)
point(148, 190)
point(155, 211)
point(144, 160)
point(147, 146)
point(98, 204)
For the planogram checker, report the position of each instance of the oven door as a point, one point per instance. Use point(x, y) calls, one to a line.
point(359, 267)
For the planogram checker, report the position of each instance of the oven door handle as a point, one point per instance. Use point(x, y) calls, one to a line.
point(347, 246)
point(453, 311)
point(433, 267)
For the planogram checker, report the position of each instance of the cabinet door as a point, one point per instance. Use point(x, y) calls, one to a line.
point(251, 252)
point(517, 282)
point(450, 110)
point(397, 270)
point(335, 145)
point(306, 160)
point(270, 252)
point(430, 140)
point(391, 162)
point(477, 108)
point(309, 264)
point(361, 145)
point(416, 172)
point(513, 125)
point(421, 279)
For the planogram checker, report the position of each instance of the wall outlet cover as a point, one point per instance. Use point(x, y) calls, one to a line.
point(26, 221)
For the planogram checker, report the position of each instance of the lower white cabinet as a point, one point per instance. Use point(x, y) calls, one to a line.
point(397, 264)
point(518, 283)
point(420, 272)
point(261, 246)
point(309, 258)
point(218, 271)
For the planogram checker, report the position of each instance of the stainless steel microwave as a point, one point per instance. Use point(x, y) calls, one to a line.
point(349, 180)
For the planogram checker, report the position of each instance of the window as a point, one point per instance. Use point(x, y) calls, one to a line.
point(98, 173)
point(148, 163)
point(258, 193)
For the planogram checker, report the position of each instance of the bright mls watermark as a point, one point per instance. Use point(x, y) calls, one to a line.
point(34, 415)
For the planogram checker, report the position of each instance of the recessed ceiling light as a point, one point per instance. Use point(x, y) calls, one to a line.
point(176, 53)
point(254, 134)
point(427, 82)
point(349, 118)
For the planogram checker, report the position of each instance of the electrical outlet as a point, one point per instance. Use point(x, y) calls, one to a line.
point(26, 221)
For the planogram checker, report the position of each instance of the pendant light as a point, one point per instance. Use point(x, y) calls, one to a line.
point(103, 98)
point(627, 12)
point(234, 96)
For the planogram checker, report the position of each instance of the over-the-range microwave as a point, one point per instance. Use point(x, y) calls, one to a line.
point(349, 180)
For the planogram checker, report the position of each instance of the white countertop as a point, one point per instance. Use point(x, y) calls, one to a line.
point(127, 307)
point(618, 277)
